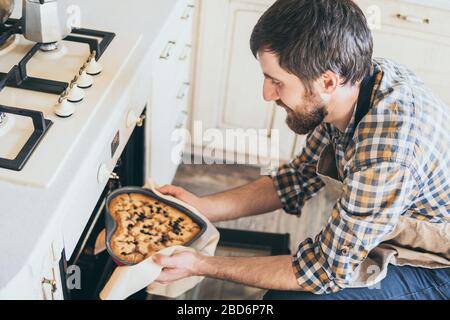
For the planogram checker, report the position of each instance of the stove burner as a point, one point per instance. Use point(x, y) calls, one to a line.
point(58, 53)
point(52, 46)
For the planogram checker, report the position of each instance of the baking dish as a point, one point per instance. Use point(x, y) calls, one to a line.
point(111, 225)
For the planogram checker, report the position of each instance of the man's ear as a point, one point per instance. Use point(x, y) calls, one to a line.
point(329, 82)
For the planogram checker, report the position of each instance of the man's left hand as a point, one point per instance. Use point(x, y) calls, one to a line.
point(177, 266)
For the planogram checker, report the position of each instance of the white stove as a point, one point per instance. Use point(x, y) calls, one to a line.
point(60, 92)
point(49, 201)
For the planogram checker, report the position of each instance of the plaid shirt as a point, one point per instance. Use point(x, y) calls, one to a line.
point(395, 162)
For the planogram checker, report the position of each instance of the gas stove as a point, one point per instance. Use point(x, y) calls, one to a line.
point(48, 92)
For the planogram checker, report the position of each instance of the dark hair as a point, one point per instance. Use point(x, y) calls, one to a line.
point(311, 37)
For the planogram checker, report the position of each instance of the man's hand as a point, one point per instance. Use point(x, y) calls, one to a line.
point(274, 272)
point(255, 198)
point(178, 266)
point(201, 204)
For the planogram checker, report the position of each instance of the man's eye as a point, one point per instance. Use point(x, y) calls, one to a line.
point(276, 83)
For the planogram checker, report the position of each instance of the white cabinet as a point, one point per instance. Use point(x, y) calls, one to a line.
point(46, 277)
point(229, 81)
point(414, 35)
point(168, 105)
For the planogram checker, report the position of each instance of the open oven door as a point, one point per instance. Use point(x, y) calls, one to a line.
point(85, 273)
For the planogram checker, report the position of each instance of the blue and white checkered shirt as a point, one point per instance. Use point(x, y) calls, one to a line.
point(395, 161)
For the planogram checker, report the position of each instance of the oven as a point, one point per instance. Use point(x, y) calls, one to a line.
point(84, 273)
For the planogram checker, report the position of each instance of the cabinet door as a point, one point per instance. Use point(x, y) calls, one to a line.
point(228, 79)
point(241, 104)
point(169, 94)
point(415, 36)
point(48, 280)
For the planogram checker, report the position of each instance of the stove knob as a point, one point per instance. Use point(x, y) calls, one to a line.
point(103, 174)
point(64, 108)
point(133, 119)
point(76, 94)
point(85, 81)
point(94, 68)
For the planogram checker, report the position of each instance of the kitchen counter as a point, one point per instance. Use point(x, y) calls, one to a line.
point(31, 217)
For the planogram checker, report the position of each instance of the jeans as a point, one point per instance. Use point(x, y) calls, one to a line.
point(400, 283)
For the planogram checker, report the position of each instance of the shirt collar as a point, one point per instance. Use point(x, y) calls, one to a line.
point(369, 86)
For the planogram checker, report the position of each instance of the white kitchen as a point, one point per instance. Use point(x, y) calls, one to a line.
point(100, 96)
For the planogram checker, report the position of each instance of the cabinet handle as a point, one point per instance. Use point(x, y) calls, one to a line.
point(140, 121)
point(181, 120)
point(52, 283)
point(179, 126)
point(182, 92)
point(413, 19)
point(165, 54)
point(187, 12)
point(185, 54)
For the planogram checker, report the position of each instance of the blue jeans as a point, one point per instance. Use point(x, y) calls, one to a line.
point(401, 283)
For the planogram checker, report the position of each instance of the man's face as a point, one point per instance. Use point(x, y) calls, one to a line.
point(305, 111)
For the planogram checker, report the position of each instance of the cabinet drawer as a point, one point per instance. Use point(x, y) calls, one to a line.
point(178, 32)
point(183, 57)
point(404, 15)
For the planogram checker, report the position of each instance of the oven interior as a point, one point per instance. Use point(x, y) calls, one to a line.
point(94, 270)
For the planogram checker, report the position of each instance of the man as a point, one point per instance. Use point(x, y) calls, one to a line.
point(377, 137)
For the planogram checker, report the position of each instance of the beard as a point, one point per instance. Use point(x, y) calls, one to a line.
point(305, 122)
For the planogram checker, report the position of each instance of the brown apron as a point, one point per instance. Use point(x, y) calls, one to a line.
point(412, 242)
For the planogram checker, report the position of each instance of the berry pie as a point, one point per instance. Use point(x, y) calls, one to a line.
point(146, 225)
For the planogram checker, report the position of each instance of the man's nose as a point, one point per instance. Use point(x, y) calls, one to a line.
point(269, 91)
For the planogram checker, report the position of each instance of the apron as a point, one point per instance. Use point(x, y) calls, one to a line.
point(412, 242)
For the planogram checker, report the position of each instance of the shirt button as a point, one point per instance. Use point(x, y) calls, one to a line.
point(345, 250)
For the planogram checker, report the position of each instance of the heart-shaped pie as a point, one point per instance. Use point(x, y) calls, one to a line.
point(146, 225)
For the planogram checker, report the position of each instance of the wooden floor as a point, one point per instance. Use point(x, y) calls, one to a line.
point(209, 179)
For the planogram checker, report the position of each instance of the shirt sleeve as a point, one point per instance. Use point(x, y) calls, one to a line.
point(373, 198)
point(297, 180)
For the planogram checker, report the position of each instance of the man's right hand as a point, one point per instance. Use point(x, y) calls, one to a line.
point(201, 204)
point(255, 198)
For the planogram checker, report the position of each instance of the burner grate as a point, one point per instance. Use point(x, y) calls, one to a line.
point(17, 77)
point(11, 27)
point(41, 127)
point(94, 45)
